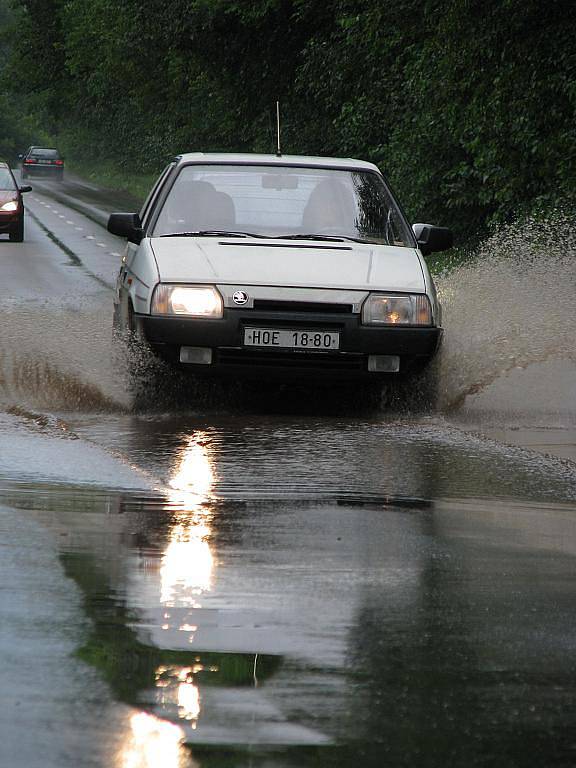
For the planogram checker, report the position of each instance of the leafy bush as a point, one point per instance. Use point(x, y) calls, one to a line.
point(467, 105)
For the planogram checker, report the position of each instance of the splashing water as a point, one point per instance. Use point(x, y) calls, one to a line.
point(59, 357)
point(513, 306)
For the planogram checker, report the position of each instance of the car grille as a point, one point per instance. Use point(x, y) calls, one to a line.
point(270, 305)
point(288, 359)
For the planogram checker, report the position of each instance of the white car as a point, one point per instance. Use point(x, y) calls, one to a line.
point(279, 267)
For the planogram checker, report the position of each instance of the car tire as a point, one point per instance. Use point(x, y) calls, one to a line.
point(146, 374)
point(17, 231)
point(125, 329)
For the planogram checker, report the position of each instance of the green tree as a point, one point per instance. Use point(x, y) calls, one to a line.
point(467, 105)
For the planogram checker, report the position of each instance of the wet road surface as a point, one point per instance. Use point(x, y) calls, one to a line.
point(198, 584)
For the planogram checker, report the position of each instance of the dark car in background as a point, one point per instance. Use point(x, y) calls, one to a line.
point(11, 206)
point(43, 162)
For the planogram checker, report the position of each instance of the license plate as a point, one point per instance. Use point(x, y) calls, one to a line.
point(45, 162)
point(320, 341)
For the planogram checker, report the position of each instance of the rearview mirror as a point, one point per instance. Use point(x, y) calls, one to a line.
point(26, 188)
point(432, 239)
point(279, 181)
point(126, 225)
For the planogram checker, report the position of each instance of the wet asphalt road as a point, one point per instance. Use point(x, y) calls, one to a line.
point(199, 584)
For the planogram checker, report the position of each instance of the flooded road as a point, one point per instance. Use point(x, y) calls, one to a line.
point(195, 583)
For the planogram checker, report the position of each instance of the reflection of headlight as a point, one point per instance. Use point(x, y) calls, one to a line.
point(11, 206)
point(380, 309)
point(197, 301)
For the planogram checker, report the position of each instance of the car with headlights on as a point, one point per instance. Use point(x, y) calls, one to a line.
point(11, 205)
point(283, 267)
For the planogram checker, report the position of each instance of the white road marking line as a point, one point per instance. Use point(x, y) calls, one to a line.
point(101, 245)
point(90, 237)
point(69, 222)
point(113, 253)
point(79, 228)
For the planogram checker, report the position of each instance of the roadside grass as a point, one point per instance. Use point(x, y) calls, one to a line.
point(110, 176)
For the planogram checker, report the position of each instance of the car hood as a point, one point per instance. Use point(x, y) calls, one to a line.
point(298, 264)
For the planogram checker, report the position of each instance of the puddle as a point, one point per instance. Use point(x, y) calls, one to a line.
point(208, 585)
point(306, 633)
point(278, 458)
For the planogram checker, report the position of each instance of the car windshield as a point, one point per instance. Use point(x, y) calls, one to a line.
point(6, 179)
point(51, 154)
point(283, 201)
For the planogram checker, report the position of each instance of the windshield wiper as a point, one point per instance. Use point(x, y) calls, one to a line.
point(239, 233)
point(325, 238)
point(214, 233)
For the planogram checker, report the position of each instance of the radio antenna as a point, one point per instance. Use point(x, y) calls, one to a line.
point(278, 149)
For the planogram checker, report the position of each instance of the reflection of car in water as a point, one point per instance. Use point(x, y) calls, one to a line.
point(11, 205)
point(42, 161)
point(290, 267)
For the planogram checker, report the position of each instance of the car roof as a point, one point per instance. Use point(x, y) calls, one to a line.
point(280, 160)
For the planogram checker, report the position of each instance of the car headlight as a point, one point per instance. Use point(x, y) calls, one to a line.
point(188, 300)
point(382, 309)
point(11, 206)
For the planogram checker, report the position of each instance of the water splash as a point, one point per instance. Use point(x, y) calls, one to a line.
point(59, 357)
point(513, 305)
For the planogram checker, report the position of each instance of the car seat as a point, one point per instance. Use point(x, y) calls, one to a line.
point(330, 206)
point(197, 205)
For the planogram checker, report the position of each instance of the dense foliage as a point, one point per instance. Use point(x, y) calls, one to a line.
point(468, 105)
point(8, 130)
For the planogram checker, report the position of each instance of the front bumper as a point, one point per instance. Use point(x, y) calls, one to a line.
point(9, 220)
point(166, 335)
point(43, 170)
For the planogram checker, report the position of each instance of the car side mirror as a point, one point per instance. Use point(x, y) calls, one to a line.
point(432, 239)
point(126, 225)
point(26, 188)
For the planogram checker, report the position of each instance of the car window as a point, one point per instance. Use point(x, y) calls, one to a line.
point(283, 200)
point(6, 179)
point(148, 202)
point(50, 154)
